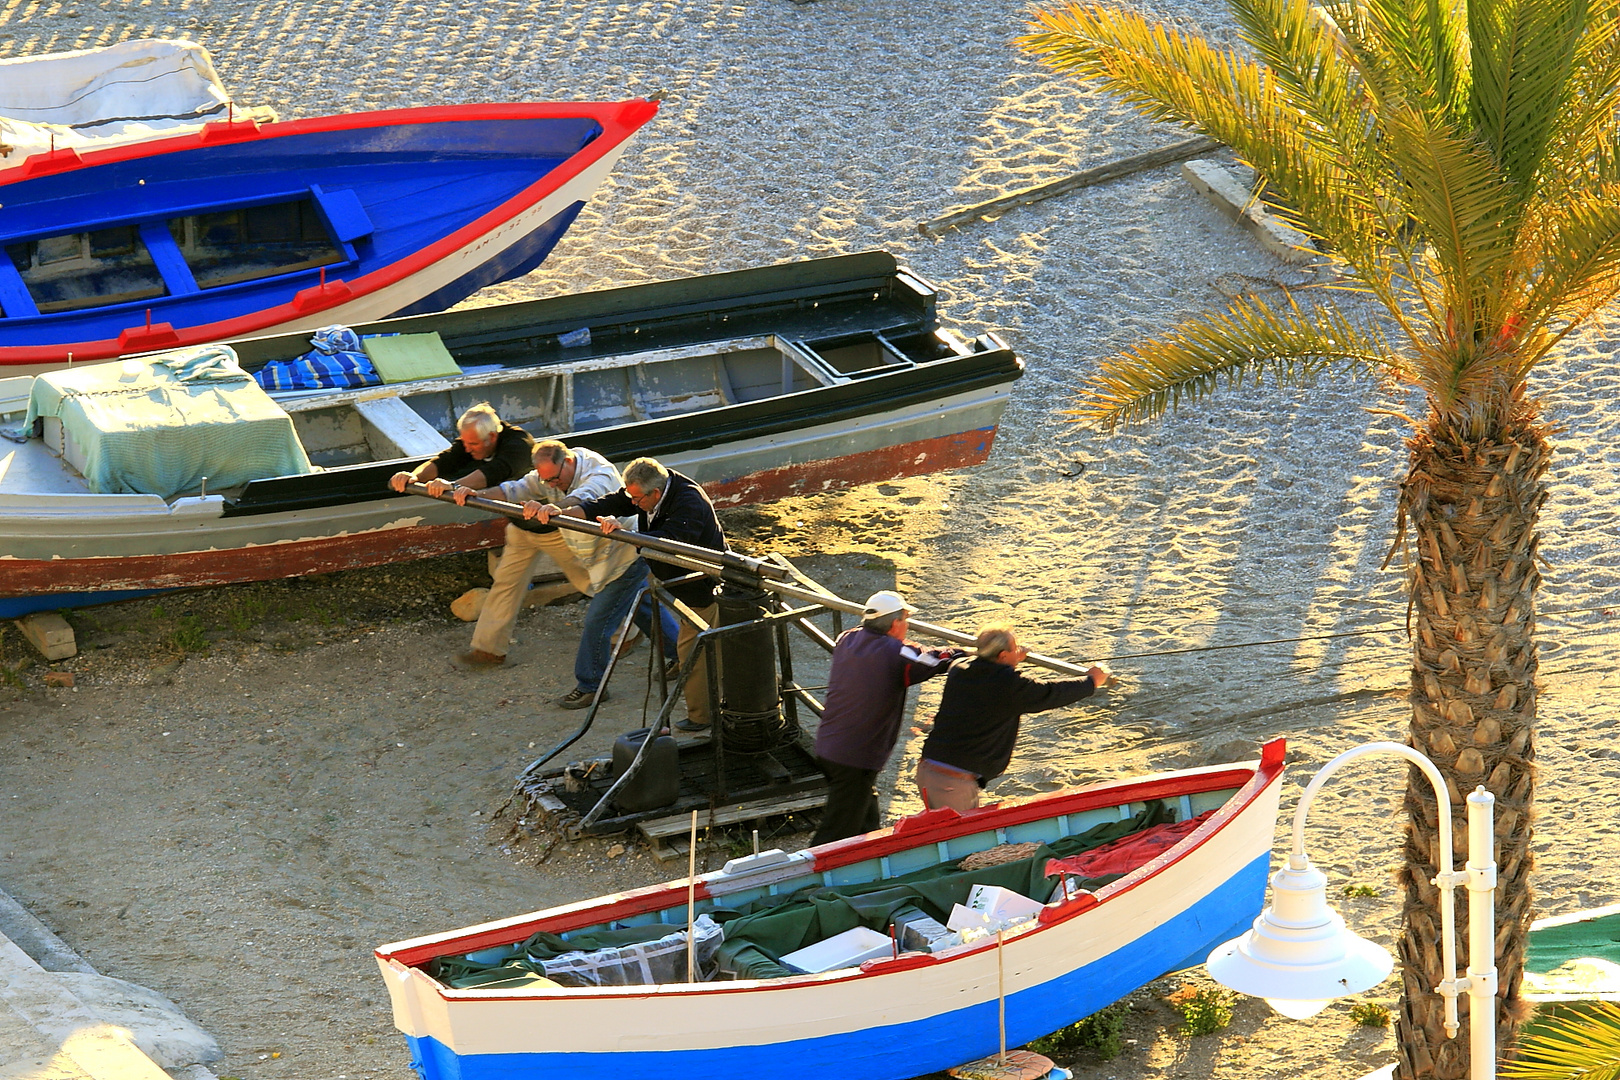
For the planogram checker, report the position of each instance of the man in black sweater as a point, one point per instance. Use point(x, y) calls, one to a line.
point(977, 723)
point(487, 453)
point(673, 507)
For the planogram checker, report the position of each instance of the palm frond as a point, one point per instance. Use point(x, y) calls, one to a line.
point(1522, 55)
point(1304, 49)
point(1463, 208)
point(1576, 1047)
point(1575, 252)
point(1414, 53)
point(1250, 339)
point(1581, 149)
point(1339, 192)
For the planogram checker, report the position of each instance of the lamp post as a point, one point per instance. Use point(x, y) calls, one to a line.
point(1300, 954)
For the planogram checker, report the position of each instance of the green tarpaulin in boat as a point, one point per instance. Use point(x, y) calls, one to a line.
point(757, 935)
point(1592, 934)
point(157, 426)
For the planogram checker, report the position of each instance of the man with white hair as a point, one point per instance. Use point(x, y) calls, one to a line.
point(561, 476)
point(977, 723)
point(872, 667)
point(670, 506)
point(487, 452)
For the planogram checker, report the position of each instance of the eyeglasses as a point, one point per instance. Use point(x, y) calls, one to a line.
point(641, 500)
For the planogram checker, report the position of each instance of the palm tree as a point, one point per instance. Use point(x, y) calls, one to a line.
point(1458, 161)
point(1578, 1042)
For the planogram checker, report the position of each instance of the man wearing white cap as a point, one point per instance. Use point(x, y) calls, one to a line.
point(872, 667)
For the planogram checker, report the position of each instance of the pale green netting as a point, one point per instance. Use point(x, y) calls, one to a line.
point(157, 426)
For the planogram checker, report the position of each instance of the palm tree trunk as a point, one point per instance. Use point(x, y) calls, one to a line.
point(1471, 501)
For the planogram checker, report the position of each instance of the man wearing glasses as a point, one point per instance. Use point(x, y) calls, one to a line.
point(672, 507)
point(601, 569)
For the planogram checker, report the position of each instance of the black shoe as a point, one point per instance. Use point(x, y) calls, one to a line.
point(580, 699)
point(672, 671)
point(687, 725)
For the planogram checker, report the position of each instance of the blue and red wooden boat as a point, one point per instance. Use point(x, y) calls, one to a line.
point(891, 1017)
point(240, 228)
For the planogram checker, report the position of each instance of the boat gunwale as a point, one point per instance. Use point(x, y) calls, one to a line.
point(619, 121)
point(926, 828)
point(723, 424)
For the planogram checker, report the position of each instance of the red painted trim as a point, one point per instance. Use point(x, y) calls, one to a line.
point(1251, 783)
point(889, 463)
point(619, 121)
point(269, 562)
point(324, 555)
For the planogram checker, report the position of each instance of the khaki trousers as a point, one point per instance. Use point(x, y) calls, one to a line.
point(942, 788)
point(697, 687)
point(523, 548)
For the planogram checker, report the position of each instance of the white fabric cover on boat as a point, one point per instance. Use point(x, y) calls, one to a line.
point(134, 90)
point(158, 425)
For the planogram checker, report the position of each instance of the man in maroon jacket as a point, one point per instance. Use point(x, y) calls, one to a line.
point(872, 667)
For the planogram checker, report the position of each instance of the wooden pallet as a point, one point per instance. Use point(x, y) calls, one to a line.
point(668, 835)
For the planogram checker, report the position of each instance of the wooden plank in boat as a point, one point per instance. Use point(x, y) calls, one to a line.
point(400, 427)
point(667, 835)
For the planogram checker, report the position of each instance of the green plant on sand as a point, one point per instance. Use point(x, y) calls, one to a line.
point(1370, 1014)
point(1460, 163)
point(1204, 1009)
point(1100, 1033)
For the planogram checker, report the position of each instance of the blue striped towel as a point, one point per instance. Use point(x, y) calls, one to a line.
point(336, 362)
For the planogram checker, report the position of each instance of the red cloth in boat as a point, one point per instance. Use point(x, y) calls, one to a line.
point(1128, 852)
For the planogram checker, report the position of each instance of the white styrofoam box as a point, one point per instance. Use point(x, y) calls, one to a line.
point(849, 949)
point(1001, 904)
point(965, 918)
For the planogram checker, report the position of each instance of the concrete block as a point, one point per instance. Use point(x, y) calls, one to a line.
point(35, 939)
point(81, 1044)
point(155, 1024)
point(1232, 197)
point(50, 634)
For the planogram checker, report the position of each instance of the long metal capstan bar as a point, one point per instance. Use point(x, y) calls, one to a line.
point(771, 577)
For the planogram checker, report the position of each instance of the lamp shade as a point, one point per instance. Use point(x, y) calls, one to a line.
point(1299, 953)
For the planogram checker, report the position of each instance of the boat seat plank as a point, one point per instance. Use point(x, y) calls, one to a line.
point(344, 213)
point(394, 430)
point(32, 470)
point(15, 299)
point(14, 392)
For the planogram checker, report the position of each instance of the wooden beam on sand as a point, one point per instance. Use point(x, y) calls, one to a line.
point(1099, 174)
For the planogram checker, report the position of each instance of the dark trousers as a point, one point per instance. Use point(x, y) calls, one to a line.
point(852, 803)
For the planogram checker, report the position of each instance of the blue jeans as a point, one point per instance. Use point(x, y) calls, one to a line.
point(602, 618)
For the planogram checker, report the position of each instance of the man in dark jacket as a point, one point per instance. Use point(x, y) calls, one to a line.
point(673, 507)
point(977, 723)
point(872, 667)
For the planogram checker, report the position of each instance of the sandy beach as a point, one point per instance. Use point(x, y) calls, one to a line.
point(237, 824)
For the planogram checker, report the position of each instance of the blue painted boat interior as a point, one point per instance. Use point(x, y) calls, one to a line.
point(217, 232)
point(899, 1051)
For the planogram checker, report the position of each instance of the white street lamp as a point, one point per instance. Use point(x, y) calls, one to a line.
point(1300, 955)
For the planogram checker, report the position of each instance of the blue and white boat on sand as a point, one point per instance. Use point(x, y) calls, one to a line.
point(889, 1018)
point(238, 228)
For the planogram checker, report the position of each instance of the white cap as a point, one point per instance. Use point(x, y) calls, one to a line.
point(880, 604)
